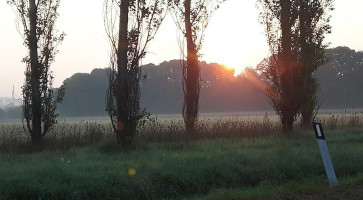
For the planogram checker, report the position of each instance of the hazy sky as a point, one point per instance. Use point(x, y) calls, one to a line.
point(234, 38)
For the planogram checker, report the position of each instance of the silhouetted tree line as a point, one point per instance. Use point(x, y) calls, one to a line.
point(341, 79)
point(161, 89)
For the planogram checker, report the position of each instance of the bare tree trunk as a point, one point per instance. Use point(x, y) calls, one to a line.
point(192, 75)
point(307, 118)
point(122, 61)
point(36, 134)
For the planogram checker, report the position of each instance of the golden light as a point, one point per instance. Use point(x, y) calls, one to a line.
point(235, 43)
point(236, 66)
point(132, 172)
point(228, 67)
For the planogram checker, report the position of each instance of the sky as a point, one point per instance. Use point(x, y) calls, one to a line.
point(234, 38)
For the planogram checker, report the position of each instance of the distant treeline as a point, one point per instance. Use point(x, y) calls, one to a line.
point(161, 91)
point(10, 113)
point(341, 79)
point(161, 88)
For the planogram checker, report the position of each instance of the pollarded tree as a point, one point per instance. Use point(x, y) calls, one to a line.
point(130, 26)
point(192, 18)
point(38, 19)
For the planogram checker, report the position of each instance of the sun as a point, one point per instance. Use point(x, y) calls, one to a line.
point(227, 67)
point(236, 66)
point(236, 45)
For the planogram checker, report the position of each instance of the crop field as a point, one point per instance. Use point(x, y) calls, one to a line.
point(234, 157)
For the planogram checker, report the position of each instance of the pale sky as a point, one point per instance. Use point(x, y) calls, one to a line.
point(234, 38)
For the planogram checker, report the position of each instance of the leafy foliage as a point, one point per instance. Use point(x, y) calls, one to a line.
point(280, 70)
point(314, 25)
point(295, 30)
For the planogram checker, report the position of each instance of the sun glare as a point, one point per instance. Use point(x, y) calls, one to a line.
point(237, 67)
point(236, 45)
point(227, 67)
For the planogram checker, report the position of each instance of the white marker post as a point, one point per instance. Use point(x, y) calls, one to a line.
point(329, 169)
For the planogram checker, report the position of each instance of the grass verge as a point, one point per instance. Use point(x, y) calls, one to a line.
point(177, 171)
point(314, 188)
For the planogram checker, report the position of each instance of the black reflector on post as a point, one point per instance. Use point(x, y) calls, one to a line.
point(319, 133)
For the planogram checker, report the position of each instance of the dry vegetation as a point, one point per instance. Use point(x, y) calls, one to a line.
point(80, 133)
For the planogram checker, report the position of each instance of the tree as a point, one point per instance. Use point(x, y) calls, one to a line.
point(192, 18)
point(280, 70)
point(38, 19)
point(313, 26)
point(295, 31)
point(138, 22)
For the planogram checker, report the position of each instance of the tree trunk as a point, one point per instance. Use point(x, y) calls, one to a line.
point(192, 88)
point(286, 69)
point(36, 133)
point(37, 144)
point(122, 61)
point(307, 119)
point(287, 122)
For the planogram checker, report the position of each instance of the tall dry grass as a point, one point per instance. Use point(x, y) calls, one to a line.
point(68, 134)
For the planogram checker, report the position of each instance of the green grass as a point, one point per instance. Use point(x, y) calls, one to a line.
point(177, 171)
point(288, 190)
point(264, 190)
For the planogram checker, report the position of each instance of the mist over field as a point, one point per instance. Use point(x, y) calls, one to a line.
point(221, 91)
